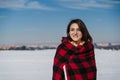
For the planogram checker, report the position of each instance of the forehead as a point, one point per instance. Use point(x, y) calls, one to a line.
point(74, 25)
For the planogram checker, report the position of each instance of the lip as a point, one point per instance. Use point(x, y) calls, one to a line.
point(75, 36)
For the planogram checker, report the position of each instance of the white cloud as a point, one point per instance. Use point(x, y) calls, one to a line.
point(85, 4)
point(22, 4)
point(12, 3)
point(36, 5)
point(72, 4)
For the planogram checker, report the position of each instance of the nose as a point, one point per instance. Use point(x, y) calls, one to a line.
point(75, 31)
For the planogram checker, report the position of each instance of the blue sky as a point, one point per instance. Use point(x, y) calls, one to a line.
point(44, 21)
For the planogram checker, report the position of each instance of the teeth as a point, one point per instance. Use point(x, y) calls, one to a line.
point(75, 36)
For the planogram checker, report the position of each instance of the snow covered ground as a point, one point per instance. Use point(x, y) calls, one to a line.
point(37, 65)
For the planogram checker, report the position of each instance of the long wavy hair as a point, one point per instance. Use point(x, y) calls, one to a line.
point(86, 36)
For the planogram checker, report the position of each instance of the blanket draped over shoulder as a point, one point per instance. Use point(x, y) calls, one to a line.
point(79, 62)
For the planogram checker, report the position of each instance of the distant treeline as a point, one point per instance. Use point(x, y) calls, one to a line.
point(28, 48)
point(31, 48)
point(109, 46)
point(96, 45)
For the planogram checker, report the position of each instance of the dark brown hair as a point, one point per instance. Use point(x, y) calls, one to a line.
point(86, 36)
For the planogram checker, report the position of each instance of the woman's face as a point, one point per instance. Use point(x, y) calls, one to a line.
point(75, 33)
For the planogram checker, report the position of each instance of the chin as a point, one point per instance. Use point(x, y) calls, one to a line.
point(75, 40)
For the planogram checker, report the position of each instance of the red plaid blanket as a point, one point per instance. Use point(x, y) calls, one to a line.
point(79, 61)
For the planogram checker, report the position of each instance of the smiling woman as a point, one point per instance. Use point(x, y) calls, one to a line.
point(74, 58)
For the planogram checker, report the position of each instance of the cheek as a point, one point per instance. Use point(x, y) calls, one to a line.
point(70, 34)
point(80, 34)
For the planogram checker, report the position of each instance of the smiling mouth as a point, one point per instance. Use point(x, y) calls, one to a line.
point(75, 36)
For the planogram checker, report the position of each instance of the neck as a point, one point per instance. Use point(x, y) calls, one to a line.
point(76, 43)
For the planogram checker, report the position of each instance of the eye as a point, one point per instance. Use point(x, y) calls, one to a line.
point(78, 29)
point(72, 29)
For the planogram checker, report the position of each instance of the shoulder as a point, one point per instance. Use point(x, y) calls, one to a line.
point(89, 45)
point(65, 44)
point(60, 46)
point(61, 50)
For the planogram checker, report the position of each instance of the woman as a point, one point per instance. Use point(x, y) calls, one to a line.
point(74, 58)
